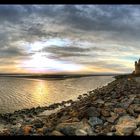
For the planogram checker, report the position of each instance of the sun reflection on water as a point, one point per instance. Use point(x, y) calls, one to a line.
point(40, 92)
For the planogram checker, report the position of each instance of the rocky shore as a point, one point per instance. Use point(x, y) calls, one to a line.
point(111, 110)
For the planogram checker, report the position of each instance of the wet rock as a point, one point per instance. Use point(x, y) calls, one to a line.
point(113, 94)
point(74, 113)
point(127, 103)
point(137, 132)
point(84, 125)
point(137, 101)
point(5, 132)
point(47, 130)
point(67, 128)
point(79, 97)
point(27, 129)
point(130, 110)
point(56, 133)
point(137, 109)
point(100, 101)
point(108, 104)
point(38, 123)
point(105, 113)
point(106, 123)
point(93, 121)
point(70, 128)
point(69, 120)
point(126, 125)
point(110, 134)
point(112, 119)
point(138, 120)
point(113, 129)
point(120, 111)
point(92, 112)
point(39, 131)
point(80, 132)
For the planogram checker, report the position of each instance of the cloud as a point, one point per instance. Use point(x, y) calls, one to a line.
point(98, 33)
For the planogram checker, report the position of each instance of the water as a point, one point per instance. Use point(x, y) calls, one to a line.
point(19, 93)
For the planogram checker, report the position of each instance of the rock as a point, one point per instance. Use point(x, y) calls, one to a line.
point(80, 132)
point(113, 129)
point(27, 129)
point(127, 103)
point(39, 131)
point(100, 101)
point(131, 109)
point(67, 128)
point(73, 113)
point(108, 104)
point(138, 120)
point(105, 113)
point(120, 111)
point(112, 119)
point(110, 134)
point(137, 101)
point(137, 132)
point(84, 125)
point(92, 112)
point(2, 127)
point(125, 126)
point(113, 94)
point(93, 121)
point(106, 123)
point(38, 123)
point(74, 119)
point(137, 109)
point(71, 128)
point(47, 130)
point(56, 133)
point(5, 132)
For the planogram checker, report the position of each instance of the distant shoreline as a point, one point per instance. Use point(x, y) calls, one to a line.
point(54, 77)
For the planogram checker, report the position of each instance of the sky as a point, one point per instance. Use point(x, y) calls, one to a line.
point(69, 38)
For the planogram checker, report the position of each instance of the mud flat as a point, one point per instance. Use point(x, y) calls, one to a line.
point(111, 110)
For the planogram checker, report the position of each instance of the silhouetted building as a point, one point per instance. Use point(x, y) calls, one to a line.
point(137, 67)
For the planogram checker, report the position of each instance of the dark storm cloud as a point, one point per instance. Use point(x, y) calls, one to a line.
point(11, 52)
point(89, 18)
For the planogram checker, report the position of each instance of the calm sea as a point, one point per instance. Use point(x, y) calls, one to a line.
point(19, 93)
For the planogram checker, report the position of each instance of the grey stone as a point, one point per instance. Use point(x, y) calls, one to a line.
point(92, 112)
point(38, 123)
point(93, 121)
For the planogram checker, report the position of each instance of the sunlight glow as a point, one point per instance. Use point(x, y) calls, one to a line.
point(40, 63)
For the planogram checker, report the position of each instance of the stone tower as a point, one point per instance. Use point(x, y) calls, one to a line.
point(137, 67)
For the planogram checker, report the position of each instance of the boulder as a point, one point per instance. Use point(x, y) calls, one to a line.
point(137, 132)
point(126, 125)
point(73, 128)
